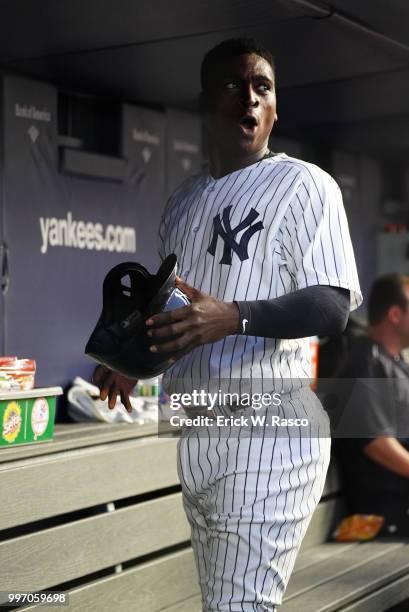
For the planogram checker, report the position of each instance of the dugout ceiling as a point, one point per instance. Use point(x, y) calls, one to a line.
point(343, 66)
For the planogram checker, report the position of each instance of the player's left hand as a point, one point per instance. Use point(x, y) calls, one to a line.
point(181, 330)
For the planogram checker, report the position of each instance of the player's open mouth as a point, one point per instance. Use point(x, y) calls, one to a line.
point(248, 124)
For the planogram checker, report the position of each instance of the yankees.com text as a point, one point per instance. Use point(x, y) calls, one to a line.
point(79, 234)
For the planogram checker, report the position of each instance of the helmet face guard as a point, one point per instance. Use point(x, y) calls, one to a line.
point(119, 340)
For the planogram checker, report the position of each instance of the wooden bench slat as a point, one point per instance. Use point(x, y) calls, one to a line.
point(382, 599)
point(53, 556)
point(83, 478)
point(193, 604)
point(77, 435)
point(350, 585)
point(317, 554)
point(91, 464)
point(146, 588)
point(332, 568)
point(149, 464)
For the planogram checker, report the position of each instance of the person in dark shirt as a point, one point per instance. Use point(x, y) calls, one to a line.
point(375, 465)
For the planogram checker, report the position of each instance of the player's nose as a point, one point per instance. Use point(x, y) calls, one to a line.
point(249, 96)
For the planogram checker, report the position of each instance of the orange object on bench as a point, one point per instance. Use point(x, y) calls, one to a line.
point(358, 527)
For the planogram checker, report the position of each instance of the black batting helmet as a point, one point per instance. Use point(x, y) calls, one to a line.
point(119, 340)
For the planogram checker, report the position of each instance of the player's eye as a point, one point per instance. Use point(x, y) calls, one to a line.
point(263, 87)
point(231, 85)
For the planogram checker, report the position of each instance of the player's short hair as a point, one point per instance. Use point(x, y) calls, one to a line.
point(386, 291)
point(228, 48)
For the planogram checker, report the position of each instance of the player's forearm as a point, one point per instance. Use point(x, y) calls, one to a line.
point(317, 310)
point(389, 452)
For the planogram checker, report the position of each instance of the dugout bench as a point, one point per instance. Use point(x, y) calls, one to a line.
point(97, 513)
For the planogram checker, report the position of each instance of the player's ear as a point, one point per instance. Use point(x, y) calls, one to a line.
point(394, 314)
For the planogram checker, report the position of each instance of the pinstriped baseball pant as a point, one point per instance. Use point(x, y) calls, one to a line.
point(249, 499)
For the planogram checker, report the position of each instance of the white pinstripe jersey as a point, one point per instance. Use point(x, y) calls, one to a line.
point(257, 233)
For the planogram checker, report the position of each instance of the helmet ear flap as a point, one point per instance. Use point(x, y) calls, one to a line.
point(117, 297)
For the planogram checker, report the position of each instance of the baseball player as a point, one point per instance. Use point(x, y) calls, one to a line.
point(266, 259)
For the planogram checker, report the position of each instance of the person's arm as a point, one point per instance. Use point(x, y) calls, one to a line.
point(209, 320)
point(313, 311)
point(307, 312)
point(389, 452)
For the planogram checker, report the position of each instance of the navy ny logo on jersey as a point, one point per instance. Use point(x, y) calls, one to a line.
point(228, 234)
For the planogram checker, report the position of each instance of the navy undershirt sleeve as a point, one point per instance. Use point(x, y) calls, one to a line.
point(313, 311)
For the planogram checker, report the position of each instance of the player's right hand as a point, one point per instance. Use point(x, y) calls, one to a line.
point(111, 383)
